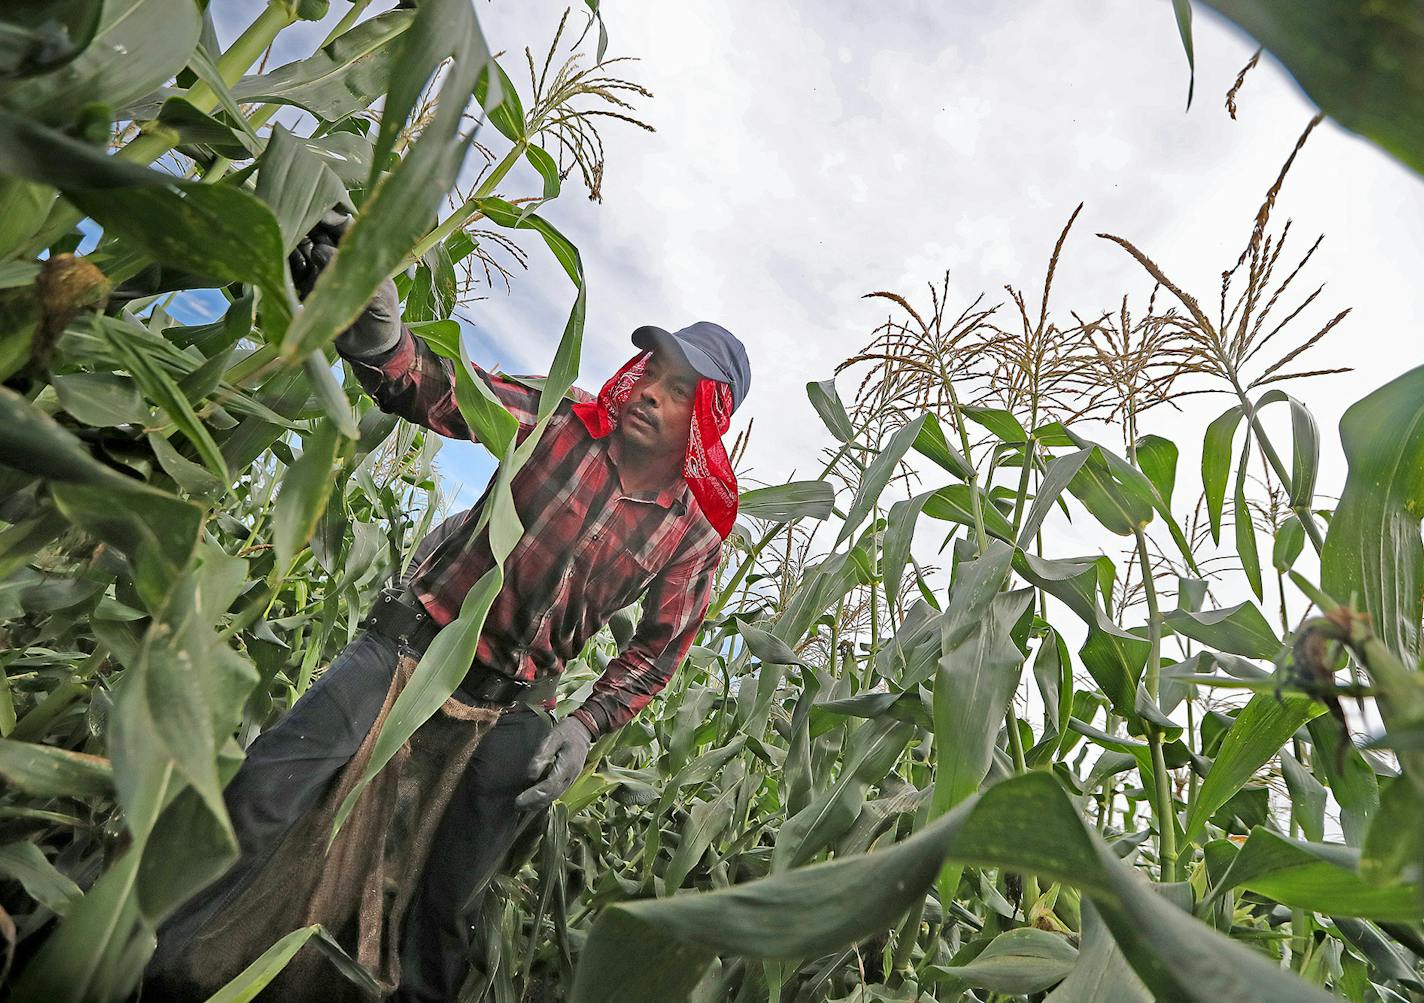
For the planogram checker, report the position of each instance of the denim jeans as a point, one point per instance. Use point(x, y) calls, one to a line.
point(290, 766)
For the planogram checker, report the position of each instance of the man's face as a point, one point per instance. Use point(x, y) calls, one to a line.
point(659, 409)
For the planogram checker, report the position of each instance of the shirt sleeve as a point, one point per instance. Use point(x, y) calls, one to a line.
point(412, 381)
point(673, 610)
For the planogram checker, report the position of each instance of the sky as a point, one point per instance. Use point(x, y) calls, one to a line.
point(806, 154)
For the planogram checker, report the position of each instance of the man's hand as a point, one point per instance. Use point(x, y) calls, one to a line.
point(562, 754)
point(379, 327)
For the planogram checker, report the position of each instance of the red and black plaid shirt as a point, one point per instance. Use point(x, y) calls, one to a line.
point(589, 548)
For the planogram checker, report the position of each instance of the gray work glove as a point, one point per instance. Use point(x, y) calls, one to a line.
point(562, 754)
point(378, 328)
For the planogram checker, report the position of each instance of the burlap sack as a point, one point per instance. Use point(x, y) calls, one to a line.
point(359, 887)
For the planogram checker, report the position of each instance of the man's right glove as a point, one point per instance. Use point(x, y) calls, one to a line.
point(378, 329)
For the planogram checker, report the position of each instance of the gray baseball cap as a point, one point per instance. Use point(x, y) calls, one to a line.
point(709, 348)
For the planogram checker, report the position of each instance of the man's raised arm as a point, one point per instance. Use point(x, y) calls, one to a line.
point(404, 375)
point(400, 372)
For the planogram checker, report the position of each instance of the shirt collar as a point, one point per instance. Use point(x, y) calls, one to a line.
point(672, 496)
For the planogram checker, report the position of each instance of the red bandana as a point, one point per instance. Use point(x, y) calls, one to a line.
point(706, 467)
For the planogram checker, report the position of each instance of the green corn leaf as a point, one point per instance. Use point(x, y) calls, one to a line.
point(1373, 550)
point(156, 531)
point(26, 863)
point(206, 70)
point(1026, 823)
point(978, 674)
point(86, 954)
point(953, 503)
point(1053, 674)
point(342, 77)
point(1115, 504)
point(1244, 524)
point(1239, 629)
point(163, 391)
point(899, 533)
point(706, 821)
point(441, 33)
point(137, 45)
point(547, 168)
point(767, 647)
point(876, 476)
point(488, 420)
point(169, 720)
point(1319, 877)
point(296, 184)
point(1183, 10)
point(1351, 779)
point(907, 706)
point(873, 749)
point(1061, 472)
point(102, 399)
point(932, 444)
point(195, 129)
point(1216, 464)
point(827, 402)
point(445, 662)
point(347, 154)
point(564, 369)
point(329, 393)
point(1121, 497)
point(1017, 963)
point(1394, 844)
point(788, 502)
point(501, 102)
point(45, 771)
point(506, 214)
point(1305, 447)
point(1004, 426)
point(305, 492)
point(1260, 729)
point(43, 40)
point(1102, 974)
point(1307, 795)
point(1158, 459)
point(1114, 657)
point(1290, 541)
point(248, 983)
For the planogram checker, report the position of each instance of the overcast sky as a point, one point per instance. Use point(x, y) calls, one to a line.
point(808, 153)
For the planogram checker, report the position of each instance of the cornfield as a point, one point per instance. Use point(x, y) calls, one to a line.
point(1023, 775)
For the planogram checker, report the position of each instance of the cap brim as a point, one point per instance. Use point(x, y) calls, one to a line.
point(649, 337)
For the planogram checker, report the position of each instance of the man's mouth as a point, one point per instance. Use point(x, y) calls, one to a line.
point(643, 418)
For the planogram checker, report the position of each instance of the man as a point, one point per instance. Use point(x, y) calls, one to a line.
point(628, 495)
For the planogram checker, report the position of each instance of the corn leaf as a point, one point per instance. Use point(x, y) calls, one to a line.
point(1373, 551)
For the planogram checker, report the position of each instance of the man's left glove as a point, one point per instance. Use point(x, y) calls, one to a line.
point(378, 329)
point(562, 754)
